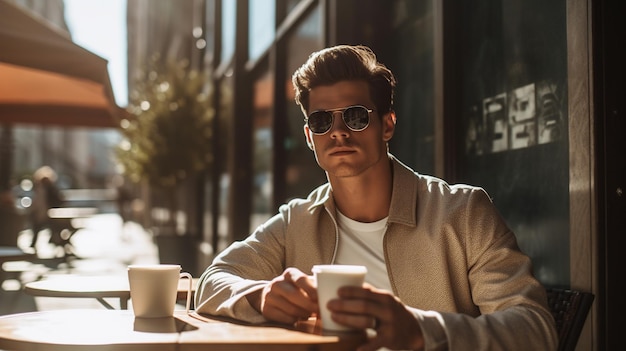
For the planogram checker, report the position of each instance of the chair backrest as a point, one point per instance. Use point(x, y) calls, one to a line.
point(570, 309)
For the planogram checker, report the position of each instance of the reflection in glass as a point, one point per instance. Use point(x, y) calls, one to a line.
point(229, 19)
point(412, 62)
point(262, 26)
point(224, 117)
point(303, 174)
point(262, 187)
point(291, 4)
point(209, 29)
point(513, 122)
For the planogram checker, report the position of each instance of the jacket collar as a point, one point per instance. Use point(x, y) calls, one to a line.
point(403, 207)
point(404, 197)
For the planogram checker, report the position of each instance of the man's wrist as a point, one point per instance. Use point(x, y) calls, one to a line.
point(254, 299)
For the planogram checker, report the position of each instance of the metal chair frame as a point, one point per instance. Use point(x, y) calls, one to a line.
point(569, 309)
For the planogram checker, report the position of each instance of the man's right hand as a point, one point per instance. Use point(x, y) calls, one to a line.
point(288, 298)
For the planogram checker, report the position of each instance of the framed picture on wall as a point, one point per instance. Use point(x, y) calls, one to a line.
point(494, 116)
point(522, 117)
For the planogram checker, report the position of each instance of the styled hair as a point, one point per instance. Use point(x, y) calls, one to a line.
point(345, 63)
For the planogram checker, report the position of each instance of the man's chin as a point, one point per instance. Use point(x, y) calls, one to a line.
point(343, 171)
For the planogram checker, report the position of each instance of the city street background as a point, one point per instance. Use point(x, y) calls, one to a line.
point(105, 246)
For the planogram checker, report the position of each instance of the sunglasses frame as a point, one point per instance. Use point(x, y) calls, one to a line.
point(342, 110)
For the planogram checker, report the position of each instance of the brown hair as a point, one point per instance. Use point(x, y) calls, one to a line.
point(341, 63)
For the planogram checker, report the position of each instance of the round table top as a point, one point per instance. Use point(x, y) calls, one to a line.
point(115, 330)
point(98, 286)
point(72, 329)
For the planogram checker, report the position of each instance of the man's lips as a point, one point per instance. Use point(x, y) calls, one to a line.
point(341, 151)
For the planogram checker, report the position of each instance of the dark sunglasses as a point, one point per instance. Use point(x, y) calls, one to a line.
point(356, 118)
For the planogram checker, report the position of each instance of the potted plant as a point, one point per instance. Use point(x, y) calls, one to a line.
point(168, 140)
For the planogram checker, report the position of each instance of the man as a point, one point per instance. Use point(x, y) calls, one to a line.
point(46, 195)
point(444, 270)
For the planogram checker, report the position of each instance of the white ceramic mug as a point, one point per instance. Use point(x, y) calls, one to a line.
point(329, 279)
point(154, 289)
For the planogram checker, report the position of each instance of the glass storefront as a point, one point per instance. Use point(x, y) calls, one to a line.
point(262, 144)
point(261, 29)
point(303, 174)
point(223, 181)
point(513, 126)
point(411, 59)
point(510, 135)
point(228, 29)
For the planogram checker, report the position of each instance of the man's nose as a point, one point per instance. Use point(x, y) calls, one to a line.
point(338, 127)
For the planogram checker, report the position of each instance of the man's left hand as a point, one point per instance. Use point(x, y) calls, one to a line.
point(367, 307)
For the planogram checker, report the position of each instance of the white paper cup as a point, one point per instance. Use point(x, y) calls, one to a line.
point(154, 288)
point(329, 279)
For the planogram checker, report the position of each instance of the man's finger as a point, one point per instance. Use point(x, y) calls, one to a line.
point(305, 283)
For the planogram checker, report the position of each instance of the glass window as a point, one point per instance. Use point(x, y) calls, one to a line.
point(209, 30)
point(302, 174)
point(229, 19)
point(262, 28)
point(291, 4)
point(224, 116)
point(207, 216)
point(262, 184)
point(412, 64)
point(514, 122)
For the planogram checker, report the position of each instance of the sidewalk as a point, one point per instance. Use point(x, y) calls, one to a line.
point(105, 246)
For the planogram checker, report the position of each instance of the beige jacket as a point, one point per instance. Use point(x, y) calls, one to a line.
point(450, 257)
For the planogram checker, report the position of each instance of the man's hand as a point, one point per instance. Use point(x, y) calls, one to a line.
point(368, 307)
point(288, 298)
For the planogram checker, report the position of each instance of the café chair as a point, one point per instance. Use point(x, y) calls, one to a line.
point(62, 230)
point(569, 309)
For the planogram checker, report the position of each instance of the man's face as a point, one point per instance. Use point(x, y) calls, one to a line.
point(342, 152)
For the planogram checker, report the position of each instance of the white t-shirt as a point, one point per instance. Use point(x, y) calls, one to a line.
point(362, 243)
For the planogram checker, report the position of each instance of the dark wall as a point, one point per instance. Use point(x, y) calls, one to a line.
point(610, 111)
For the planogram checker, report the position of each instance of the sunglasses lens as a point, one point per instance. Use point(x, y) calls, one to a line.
point(320, 122)
point(356, 118)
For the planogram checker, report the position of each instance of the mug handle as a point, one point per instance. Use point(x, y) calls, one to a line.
point(188, 276)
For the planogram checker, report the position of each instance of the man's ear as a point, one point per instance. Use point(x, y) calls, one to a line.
point(389, 125)
point(307, 136)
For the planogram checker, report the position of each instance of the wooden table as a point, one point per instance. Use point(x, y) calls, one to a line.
point(118, 330)
point(98, 287)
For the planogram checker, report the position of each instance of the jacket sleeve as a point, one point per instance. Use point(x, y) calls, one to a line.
point(507, 330)
point(512, 303)
point(242, 268)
